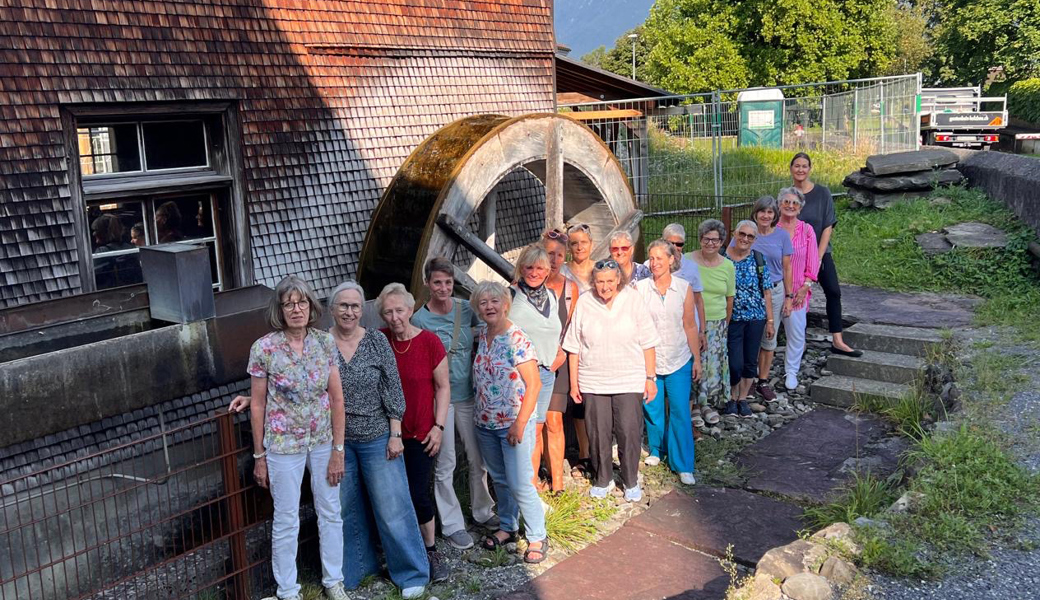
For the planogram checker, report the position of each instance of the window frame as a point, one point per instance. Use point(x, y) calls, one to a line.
point(142, 153)
point(222, 179)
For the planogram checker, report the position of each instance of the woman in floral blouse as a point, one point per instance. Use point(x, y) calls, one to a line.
point(297, 417)
point(505, 375)
point(752, 314)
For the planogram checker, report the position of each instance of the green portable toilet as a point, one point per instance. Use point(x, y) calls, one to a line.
point(761, 118)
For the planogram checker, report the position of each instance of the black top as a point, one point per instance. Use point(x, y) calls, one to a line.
point(819, 211)
point(371, 388)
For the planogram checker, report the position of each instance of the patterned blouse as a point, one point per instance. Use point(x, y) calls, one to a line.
point(639, 273)
point(499, 387)
point(298, 416)
point(748, 303)
point(371, 388)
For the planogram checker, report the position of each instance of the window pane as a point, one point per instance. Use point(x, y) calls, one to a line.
point(113, 226)
point(108, 149)
point(184, 218)
point(174, 144)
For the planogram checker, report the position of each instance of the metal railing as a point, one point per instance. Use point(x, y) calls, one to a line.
point(730, 147)
point(170, 515)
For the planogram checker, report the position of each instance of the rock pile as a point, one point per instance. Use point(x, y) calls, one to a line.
point(888, 178)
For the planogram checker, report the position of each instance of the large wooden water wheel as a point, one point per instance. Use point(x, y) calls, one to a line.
point(425, 210)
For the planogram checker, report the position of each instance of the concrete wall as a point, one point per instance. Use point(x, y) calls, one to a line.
point(1008, 178)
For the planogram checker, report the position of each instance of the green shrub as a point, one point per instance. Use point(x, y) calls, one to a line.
point(1024, 100)
point(862, 496)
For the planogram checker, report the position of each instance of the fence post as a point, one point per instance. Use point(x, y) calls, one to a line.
point(855, 117)
point(823, 142)
point(239, 584)
point(727, 220)
point(881, 113)
point(716, 145)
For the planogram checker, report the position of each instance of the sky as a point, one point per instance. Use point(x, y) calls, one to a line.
point(585, 25)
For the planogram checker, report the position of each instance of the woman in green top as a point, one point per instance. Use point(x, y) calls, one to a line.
point(719, 280)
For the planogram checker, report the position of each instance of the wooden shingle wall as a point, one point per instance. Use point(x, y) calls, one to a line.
point(332, 96)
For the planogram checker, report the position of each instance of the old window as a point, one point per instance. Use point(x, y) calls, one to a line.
point(158, 178)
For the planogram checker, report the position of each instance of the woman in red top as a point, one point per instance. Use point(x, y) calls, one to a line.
point(423, 366)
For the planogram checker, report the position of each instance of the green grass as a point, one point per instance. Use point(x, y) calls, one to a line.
point(862, 496)
point(572, 522)
point(877, 248)
point(714, 462)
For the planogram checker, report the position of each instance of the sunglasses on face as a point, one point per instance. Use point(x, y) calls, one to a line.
point(745, 236)
point(679, 245)
point(556, 234)
point(620, 248)
point(606, 263)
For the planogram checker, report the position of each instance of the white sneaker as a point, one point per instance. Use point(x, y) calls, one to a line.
point(652, 461)
point(601, 492)
point(336, 592)
point(634, 494)
point(413, 592)
point(296, 597)
point(791, 382)
point(687, 478)
point(546, 507)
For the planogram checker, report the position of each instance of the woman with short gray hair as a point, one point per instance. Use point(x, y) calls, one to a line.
point(775, 245)
point(611, 344)
point(622, 247)
point(805, 266)
point(719, 280)
point(752, 312)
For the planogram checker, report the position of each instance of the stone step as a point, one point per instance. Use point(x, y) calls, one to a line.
point(879, 366)
point(842, 390)
point(894, 339)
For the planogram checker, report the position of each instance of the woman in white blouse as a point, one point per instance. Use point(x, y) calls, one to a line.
point(671, 305)
point(611, 343)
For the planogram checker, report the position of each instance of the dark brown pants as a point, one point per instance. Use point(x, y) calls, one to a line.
point(614, 416)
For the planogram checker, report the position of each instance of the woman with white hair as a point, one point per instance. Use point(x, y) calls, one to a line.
point(805, 268)
point(535, 309)
point(611, 342)
point(622, 247)
point(507, 384)
point(423, 366)
point(676, 234)
point(752, 313)
point(670, 302)
point(719, 280)
point(579, 269)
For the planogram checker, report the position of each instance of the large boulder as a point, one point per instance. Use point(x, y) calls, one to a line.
point(924, 180)
point(910, 162)
point(796, 557)
point(807, 586)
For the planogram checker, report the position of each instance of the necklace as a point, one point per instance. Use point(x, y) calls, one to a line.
point(407, 348)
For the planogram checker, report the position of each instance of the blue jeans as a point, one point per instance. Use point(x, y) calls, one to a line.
point(510, 468)
point(548, 379)
point(677, 444)
point(745, 338)
point(376, 489)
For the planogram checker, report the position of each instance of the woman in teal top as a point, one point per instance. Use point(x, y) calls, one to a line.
point(719, 280)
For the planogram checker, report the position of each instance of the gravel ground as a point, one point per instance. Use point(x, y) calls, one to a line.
point(1012, 571)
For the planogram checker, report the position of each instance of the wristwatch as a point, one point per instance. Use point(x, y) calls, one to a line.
point(791, 296)
point(438, 425)
point(654, 378)
point(337, 447)
point(395, 434)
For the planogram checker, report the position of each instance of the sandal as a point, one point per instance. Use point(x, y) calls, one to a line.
point(581, 468)
point(492, 542)
point(542, 552)
point(711, 417)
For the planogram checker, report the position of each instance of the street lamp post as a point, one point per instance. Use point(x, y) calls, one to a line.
point(633, 37)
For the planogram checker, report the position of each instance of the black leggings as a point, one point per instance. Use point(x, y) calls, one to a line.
point(418, 466)
point(828, 278)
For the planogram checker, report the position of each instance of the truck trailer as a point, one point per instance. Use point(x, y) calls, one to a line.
point(956, 117)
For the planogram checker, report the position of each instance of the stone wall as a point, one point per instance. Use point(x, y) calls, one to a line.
point(1008, 178)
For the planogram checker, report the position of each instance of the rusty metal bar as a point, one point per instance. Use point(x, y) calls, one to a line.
point(239, 589)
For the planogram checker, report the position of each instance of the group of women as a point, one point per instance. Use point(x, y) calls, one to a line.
point(618, 345)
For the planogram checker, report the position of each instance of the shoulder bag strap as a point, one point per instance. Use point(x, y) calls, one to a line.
point(458, 325)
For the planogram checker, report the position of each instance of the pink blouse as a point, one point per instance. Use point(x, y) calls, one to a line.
point(805, 264)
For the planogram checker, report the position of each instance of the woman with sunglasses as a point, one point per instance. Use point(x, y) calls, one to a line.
point(719, 280)
point(579, 269)
point(752, 313)
point(621, 250)
point(566, 292)
point(805, 266)
point(611, 342)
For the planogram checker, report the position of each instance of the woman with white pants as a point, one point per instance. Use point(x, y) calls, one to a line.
point(297, 418)
point(805, 268)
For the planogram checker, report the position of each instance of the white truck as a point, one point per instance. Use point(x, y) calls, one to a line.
point(955, 117)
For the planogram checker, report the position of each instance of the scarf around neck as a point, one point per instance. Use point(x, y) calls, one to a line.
point(538, 297)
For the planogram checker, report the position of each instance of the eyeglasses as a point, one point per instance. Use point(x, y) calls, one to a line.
point(790, 202)
point(348, 306)
point(301, 304)
point(745, 236)
point(606, 263)
point(711, 241)
point(580, 227)
point(620, 248)
point(556, 234)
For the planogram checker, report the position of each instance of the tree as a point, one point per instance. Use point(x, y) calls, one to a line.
point(913, 44)
point(973, 35)
point(619, 58)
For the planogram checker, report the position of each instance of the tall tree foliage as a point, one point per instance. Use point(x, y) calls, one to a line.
point(971, 36)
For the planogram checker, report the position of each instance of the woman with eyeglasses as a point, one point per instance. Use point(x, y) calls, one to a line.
point(775, 245)
point(535, 310)
point(719, 280)
point(621, 249)
point(676, 234)
point(805, 265)
point(566, 292)
point(297, 417)
point(579, 269)
point(422, 364)
point(670, 302)
point(611, 344)
point(752, 313)
point(818, 212)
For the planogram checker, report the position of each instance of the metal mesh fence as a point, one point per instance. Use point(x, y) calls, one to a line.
point(697, 154)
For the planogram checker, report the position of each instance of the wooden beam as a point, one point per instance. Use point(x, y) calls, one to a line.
point(593, 115)
point(474, 244)
point(554, 179)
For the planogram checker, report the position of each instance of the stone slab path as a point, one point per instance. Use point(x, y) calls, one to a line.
point(813, 456)
point(870, 305)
